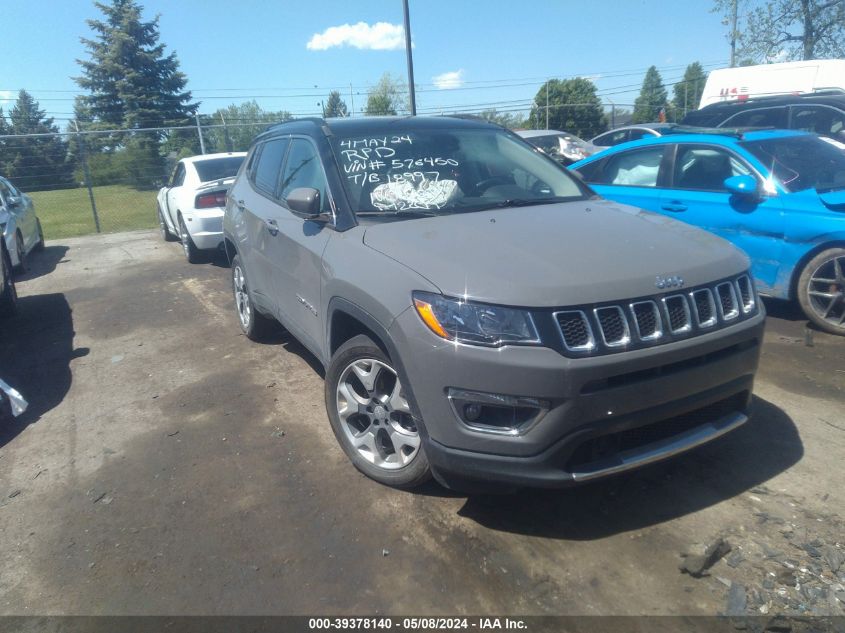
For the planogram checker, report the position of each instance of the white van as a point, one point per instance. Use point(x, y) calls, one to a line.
point(728, 84)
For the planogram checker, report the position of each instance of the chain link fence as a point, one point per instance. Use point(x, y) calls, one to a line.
point(103, 181)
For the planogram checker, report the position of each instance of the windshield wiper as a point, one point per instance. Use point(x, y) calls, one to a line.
point(393, 214)
point(518, 202)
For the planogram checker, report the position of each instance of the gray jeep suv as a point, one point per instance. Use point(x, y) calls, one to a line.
point(483, 316)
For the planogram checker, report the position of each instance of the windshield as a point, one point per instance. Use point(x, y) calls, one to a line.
point(447, 170)
point(802, 162)
point(218, 168)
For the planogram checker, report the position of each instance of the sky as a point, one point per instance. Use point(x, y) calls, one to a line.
point(288, 55)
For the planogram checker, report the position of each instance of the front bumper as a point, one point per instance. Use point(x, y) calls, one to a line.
point(607, 413)
point(206, 227)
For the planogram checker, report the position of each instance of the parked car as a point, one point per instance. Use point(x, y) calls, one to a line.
point(481, 315)
point(779, 195)
point(8, 294)
point(620, 135)
point(190, 207)
point(20, 226)
point(822, 113)
point(564, 147)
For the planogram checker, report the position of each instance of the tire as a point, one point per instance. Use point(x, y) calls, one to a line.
point(8, 294)
point(21, 251)
point(254, 324)
point(166, 235)
point(40, 245)
point(371, 418)
point(821, 290)
point(192, 253)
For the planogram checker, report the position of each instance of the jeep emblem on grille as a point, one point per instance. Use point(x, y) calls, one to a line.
point(669, 282)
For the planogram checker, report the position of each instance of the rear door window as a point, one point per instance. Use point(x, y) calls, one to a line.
point(758, 117)
point(613, 138)
point(635, 168)
point(266, 174)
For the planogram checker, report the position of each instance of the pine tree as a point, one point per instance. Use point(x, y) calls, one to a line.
point(132, 83)
point(652, 98)
point(36, 162)
point(335, 106)
point(687, 92)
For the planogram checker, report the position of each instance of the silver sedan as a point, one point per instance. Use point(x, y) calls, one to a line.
point(21, 228)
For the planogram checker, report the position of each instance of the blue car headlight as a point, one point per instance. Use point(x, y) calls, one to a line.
point(475, 323)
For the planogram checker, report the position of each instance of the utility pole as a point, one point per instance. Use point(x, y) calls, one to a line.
point(411, 91)
point(352, 99)
point(734, 12)
point(199, 131)
point(547, 104)
point(87, 173)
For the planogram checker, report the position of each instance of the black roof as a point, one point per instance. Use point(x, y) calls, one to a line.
point(717, 112)
point(347, 126)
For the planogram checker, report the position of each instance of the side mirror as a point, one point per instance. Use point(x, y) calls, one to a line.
point(745, 186)
point(13, 202)
point(305, 203)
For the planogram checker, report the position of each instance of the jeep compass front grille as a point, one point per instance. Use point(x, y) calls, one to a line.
point(588, 330)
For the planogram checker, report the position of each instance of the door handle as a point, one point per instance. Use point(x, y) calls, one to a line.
point(272, 226)
point(674, 206)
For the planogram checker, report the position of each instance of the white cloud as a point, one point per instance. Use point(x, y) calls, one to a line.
point(381, 36)
point(450, 80)
point(7, 97)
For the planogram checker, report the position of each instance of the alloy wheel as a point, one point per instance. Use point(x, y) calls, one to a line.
point(375, 415)
point(241, 297)
point(827, 291)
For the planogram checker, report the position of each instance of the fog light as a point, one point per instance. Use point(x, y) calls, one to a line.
point(472, 412)
point(496, 413)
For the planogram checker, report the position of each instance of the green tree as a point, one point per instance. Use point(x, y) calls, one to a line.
point(687, 92)
point(241, 123)
point(569, 105)
point(335, 106)
point(652, 98)
point(387, 97)
point(37, 162)
point(131, 83)
point(782, 30)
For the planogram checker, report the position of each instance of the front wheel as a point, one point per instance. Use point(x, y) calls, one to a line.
point(21, 252)
point(166, 235)
point(371, 417)
point(821, 290)
point(8, 294)
point(40, 245)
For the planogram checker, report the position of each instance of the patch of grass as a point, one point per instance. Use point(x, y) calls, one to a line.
point(67, 212)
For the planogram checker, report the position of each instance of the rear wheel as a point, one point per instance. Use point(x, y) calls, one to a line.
point(192, 253)
point(821, 290)
point(8, 294)
point(371, 417)
point(254, 324)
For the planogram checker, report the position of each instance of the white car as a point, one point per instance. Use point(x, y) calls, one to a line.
point(190, 207)
point(21, 228)
point(564, 147)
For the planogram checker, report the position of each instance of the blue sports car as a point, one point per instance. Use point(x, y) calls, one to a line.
point(778, 195)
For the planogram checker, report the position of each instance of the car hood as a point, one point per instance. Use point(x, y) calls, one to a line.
point(555, 254)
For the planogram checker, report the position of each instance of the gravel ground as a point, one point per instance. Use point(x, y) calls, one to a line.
point(167, 465)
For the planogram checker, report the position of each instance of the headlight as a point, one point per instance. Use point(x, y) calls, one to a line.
point(474, 323)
